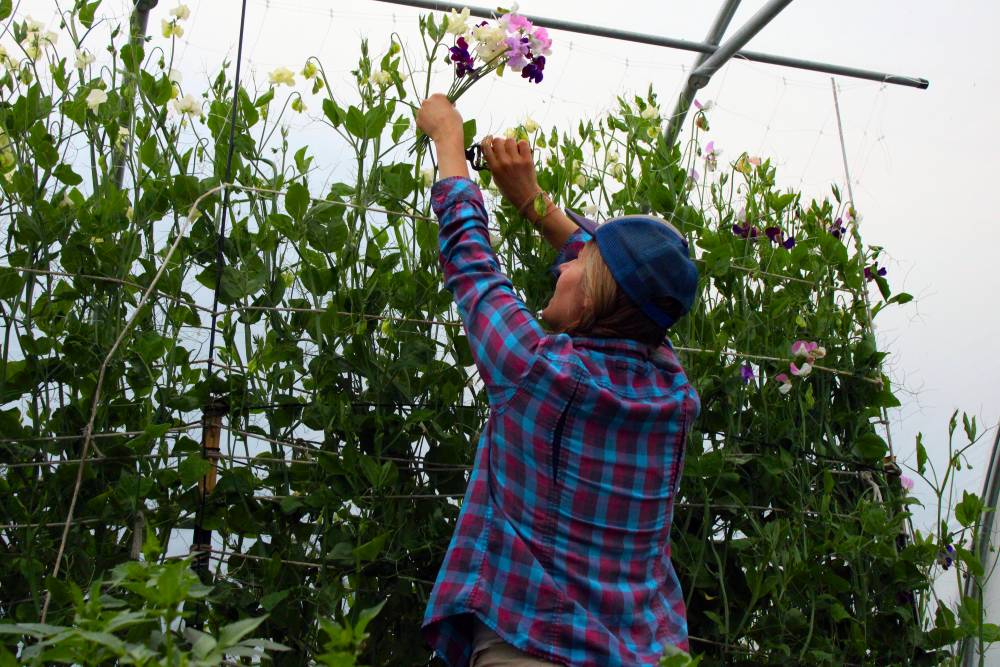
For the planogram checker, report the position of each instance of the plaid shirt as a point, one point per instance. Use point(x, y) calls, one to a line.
point(563, 540)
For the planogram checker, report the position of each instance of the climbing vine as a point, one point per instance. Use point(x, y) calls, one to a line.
point(313, 344)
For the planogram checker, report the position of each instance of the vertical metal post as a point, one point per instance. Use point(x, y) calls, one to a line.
point(139, 26)
point(211, 422)
point(722, 20)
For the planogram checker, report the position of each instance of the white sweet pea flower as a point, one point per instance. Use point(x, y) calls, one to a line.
point(427, 177)
point(181, 12)
point(282, 75)
point(580, 181)
point(650, 113)
point(530, 125)
point(785, 387)
point(65, 201)
point(84, 58)
point(618, 171)
point(613, 157)
point(171, 28)
point(510, 133)
point(590, 211)
point(31, 46)
point(174, 76)
point(124, 134)
point(495, 240)
point(188, 105)
point(819, 352)
point(380, 78)
point(96, 98)
point(49, 38)
point(31, 25)
point(457, 22)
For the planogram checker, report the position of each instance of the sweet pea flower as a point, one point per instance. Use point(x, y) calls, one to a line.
point(518, 52)
point(804, 371)
point(181, 12)
point(746, 373)
point(459, 54)
point(281, 75)
point(618, 171)
point(872, 271)
point(298, 105)
point(96, 98)
point(784, 384)
point(946, 557)
point(188, 105)
point(651, 112)
point(590, 211)
point(533, 70)
point(693, 177)
point(580, 181)
point(837, 228)
point(84, 58)
point(746, 231)
point(427, 177)
point(380, 78)
point(803, 348)
point(530, 125)
point(124, 134)
point(906, 482)
point(541, 42)
point(31, 25)
point(171, 28)
point(707, 106)
point(456, 22)
point(711, 156)
point(173, 76)
point(309, 70)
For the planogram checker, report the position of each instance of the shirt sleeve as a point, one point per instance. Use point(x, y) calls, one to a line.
point(571, 248)
point(503, 334)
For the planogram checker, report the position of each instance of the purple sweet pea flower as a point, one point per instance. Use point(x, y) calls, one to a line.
point(746, 231)
point(746, 372)
point(533, 70)
point(518, 52)
point(788, 243)
point(947, 557)
point(462, 58)
point(837, 228)
point(773, 234)
point(874, 270)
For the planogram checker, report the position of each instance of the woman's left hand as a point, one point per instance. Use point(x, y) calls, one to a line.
point(439, 119)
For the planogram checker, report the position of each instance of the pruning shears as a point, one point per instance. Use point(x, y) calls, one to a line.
point(474, 154)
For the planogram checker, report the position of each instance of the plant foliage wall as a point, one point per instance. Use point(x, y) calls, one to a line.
point(313, 328)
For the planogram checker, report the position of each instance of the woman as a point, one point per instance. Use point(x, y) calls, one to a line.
point(561, 554)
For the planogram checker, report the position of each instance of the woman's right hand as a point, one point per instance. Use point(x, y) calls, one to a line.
point(513, 168)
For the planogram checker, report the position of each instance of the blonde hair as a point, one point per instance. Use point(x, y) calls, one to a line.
point(609, 312)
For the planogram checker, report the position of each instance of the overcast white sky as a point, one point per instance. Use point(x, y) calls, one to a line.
point(923, 162)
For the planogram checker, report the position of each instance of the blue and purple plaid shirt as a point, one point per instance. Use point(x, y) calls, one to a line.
point(563, 541)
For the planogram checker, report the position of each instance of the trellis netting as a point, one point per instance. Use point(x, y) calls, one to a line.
point(310, 339)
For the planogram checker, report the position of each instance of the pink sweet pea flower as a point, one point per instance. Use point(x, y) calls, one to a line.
point(802, 348)
point(784, 382)
point(906, 482)
point(805, 370)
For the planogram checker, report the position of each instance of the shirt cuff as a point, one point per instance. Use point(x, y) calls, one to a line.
point(451, 190)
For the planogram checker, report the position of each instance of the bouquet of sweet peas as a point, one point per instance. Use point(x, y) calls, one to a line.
point(509, 41)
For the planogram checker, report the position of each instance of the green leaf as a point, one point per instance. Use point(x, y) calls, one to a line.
point(969, 426)
point(234, 632)
point(968, 511)
point(297, 201)
point(5, 9)
point(272, 600)
point(193, 468)
point(921, 454)
point(333, 112)
point(870, 446)
point(469, 131)
point(399, 126)
point(370, 550)
point(66, 175)
point(366, 616)
point(86, 13)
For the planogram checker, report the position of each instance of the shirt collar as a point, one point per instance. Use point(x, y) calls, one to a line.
point(614, 345)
